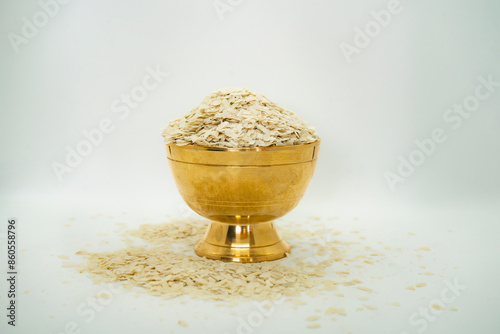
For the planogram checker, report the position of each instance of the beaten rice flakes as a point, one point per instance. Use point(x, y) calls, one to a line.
point(169, 269)
point(237, 117)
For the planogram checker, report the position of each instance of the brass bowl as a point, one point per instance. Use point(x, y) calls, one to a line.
point(242, 190)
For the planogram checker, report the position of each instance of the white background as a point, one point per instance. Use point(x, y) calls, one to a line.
point(369, 111)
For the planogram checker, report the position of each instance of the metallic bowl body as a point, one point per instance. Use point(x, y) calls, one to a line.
point(242, 190)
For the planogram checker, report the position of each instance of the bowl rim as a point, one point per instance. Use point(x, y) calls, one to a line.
point(240, 149)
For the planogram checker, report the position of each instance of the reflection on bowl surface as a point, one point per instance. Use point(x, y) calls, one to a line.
point(242, 190)
point(247, 185)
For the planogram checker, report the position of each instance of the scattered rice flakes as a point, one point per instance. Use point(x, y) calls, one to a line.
point(335, 310)
point(364, 288)
point(313, 326)
point(297, 301)
point(437, 307)
point(420, 285)
point(410, 287)
point(165, 271)
point(70, 264)
point(182, 323)
point(237, 117)
point(370, 307)
point(168, 268)
point(313, 318)
point(330, 285)
point(103, 295)
point(351, 282)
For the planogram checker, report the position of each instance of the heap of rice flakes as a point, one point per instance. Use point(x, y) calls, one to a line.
point(235, 117)
point(167, 267)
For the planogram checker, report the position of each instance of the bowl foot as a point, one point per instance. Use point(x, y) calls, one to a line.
point(254, 242)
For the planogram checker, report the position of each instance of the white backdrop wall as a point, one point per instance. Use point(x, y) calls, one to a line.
point(65, 75)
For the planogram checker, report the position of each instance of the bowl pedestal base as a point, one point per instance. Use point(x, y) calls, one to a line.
point(231, 242)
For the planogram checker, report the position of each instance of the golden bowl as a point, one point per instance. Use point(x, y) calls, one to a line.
point(242, 190)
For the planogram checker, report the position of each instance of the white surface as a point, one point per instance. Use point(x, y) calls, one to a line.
point(458, 252)
point(368, 112)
